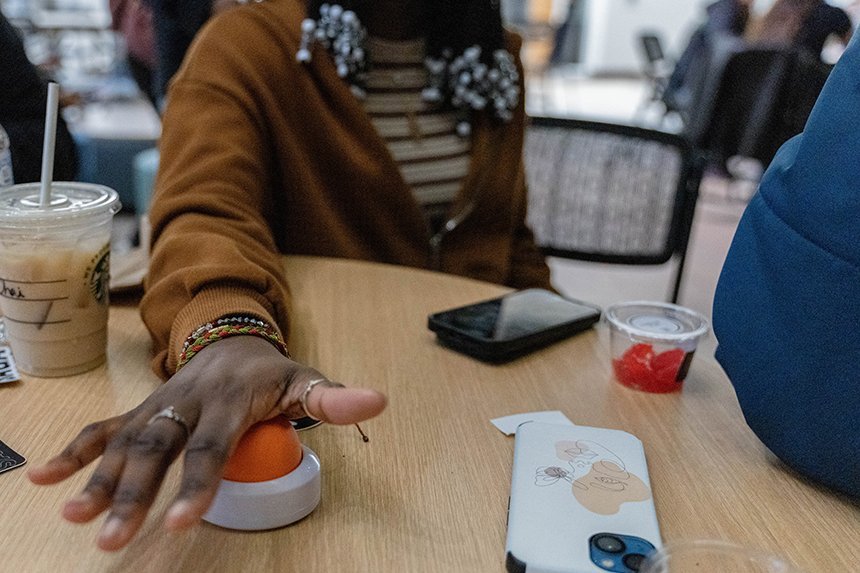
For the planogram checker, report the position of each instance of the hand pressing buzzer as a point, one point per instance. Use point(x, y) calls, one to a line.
point(215, 399)
point(307, 148)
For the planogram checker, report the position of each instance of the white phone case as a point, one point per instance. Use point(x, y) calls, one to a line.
point(570, 483)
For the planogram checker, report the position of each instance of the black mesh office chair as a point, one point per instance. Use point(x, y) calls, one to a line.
point(611, 193)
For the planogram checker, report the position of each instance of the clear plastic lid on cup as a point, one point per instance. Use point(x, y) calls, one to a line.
point(71, 204)
point(653, 343)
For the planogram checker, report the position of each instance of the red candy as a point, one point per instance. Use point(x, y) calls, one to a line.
point(643, 369)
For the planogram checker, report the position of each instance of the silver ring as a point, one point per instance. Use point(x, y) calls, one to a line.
point(171, 414)
point(303, 400)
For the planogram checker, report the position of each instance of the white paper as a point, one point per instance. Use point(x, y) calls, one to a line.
point(8, 371)
point(508, 424)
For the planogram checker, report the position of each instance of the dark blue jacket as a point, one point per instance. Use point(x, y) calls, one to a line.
point(787, 306)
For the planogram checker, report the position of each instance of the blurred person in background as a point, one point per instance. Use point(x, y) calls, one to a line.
point(23, 99)
point(133, 20)
point(801, 24)
point(723, 18)
point(176, 24)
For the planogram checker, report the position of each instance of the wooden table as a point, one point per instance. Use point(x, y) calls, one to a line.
point(430, 490)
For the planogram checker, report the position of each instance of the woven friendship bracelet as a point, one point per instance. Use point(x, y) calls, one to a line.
point(207, 334)
point(237, 320)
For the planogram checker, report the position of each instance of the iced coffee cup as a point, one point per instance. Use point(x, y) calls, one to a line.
point(54, 273)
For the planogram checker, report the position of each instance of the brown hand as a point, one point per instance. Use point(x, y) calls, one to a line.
point(226, 388)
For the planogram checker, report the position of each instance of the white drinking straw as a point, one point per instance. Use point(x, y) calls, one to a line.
point(51, 111)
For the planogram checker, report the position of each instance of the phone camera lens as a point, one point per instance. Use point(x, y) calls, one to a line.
point(609, 543)
point(633, 561)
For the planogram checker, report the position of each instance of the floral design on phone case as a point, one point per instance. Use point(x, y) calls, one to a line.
point(599, 479)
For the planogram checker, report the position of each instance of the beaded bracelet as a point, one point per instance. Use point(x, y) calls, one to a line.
point(229, 319)
point(225, 328)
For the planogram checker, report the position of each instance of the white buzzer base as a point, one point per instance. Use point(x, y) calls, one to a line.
point(254, 506)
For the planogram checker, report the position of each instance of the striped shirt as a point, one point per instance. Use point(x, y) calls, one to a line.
point(423, 140)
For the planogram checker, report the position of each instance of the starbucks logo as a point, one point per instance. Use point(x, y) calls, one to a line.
point(100, 277)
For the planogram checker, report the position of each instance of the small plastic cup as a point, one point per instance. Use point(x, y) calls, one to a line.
point(54, 273)
point(709, 556)
point(653, 343)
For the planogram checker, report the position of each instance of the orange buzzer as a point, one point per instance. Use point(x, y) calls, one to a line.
point(268, 450)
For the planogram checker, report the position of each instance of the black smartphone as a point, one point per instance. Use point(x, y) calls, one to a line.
point(504, 328)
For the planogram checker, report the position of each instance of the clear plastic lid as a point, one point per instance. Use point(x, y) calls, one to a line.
point(658, 321)
point(71, 203)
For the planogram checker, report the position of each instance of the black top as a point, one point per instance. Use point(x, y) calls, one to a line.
point(821, 23)
point(176, 24)
point(23, 98)
point(726, 16)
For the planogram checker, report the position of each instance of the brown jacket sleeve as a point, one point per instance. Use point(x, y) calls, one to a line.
point(213, 251)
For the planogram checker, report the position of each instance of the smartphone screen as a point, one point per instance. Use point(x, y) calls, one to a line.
point(508, 327)
point(517, 315)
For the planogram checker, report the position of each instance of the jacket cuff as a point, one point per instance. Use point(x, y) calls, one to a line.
point(207, 306)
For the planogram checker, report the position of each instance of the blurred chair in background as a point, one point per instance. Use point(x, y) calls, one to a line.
point(657, 68)
point(807, 79)
point(611, 193)
point(752, 100)
point(740, 111)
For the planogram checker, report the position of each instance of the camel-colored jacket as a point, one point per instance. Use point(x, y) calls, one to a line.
point(263, 156)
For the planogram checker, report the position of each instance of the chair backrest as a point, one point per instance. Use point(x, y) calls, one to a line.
point(741, 111)
point(705, 70)
point(808, 76)
point(610, 193)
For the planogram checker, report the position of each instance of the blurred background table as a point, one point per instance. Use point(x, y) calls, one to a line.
point(429, 492)
point(109, 136)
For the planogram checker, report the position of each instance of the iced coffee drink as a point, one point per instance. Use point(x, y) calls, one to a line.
point(54, 273)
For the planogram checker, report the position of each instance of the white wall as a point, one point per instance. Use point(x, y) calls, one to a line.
point(612, 28)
